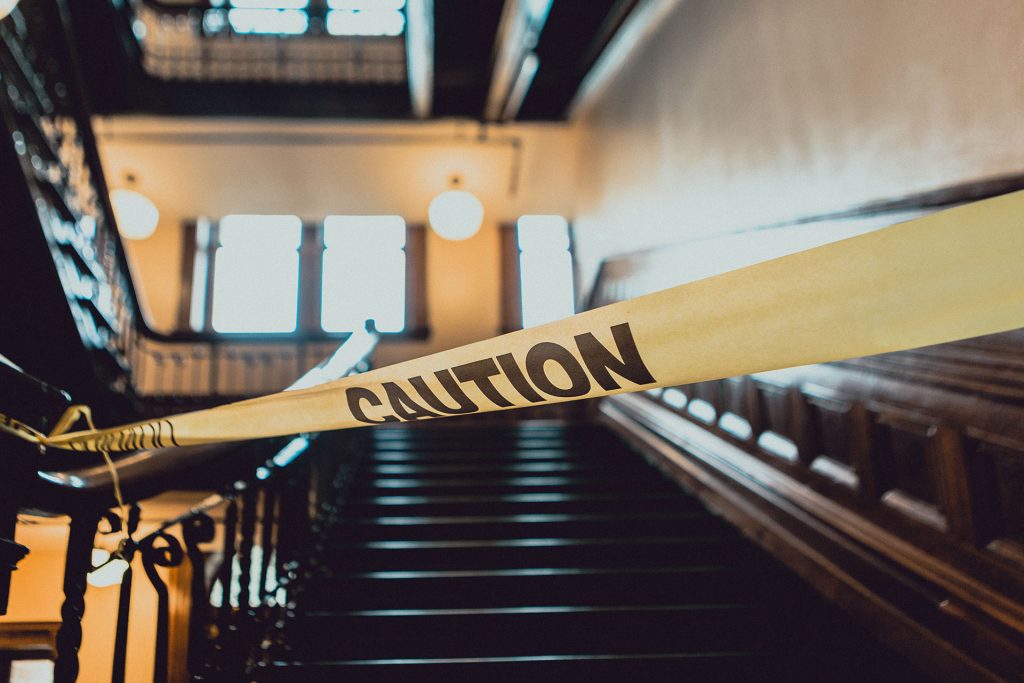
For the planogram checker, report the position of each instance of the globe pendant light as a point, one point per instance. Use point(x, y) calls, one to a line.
point(6, 7)
point(136, 215)
point(455, 214)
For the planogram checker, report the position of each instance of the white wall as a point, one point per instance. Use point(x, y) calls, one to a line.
point(212, 167)
point(740, 113)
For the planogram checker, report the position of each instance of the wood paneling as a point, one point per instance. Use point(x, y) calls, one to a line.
point(917, 458)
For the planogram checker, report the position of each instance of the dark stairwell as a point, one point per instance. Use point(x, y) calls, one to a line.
point(545, 550)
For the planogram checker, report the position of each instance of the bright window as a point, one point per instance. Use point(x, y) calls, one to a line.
point(274, 274)
point(273, 21)
point(545, 269)
point(364, 266)
point(256, 279)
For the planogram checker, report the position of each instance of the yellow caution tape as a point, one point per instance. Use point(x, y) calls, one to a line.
point(950, 275)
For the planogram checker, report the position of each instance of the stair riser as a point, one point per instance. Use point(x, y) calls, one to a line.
point(368, 507)
point(501, 635)
point(343, 558)
point(652, 588)
point(720, 669)
point(523, 485)
point(698, 526)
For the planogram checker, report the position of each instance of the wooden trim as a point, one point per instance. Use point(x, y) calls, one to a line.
point(28, 639)
point(188, 265)
point(511, 294)
point(946, 620)
point(577, 281)
point(310, 290)
point(416, 321)
point(212, 247)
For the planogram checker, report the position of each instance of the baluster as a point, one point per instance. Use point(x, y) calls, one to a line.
point(178, 379)
point(214, 369)
point(198, 528)
point(232, 373)
point(158, 384)
point(956, 484)
point(169, 555)
point(298, 351)
point(280, 538)
point(248, 532)
point(266, 540)
point(862, 453)
point(124, 601)
point(195, 388)
point(801, 431)
point(76, 566)
point(227, 564)
point(266, 366)
point(290, 512)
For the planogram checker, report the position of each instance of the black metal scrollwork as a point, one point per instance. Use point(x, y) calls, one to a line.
point(160, 549)
point(196, 529)
point(127, 550)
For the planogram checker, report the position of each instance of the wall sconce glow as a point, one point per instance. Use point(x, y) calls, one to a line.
point(455, 214)
point(136, 215)
point(107, 570)
point(6, 7)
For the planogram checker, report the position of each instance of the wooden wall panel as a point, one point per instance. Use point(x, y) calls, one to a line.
point(925, 446)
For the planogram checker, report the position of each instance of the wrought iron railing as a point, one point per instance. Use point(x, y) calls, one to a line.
point(267, 487)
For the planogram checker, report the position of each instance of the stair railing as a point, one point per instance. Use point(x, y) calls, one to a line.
point(268, 504)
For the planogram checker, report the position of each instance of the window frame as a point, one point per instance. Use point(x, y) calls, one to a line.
point(311, 251)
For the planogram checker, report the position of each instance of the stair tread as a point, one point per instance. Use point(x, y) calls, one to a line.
point(527, 481)
point(536, 571)
point(544, 551)
point(530, 658)
point(524, 609)
point(466, 469)
point(725, 667)
point(547, 497)
point(538, 518)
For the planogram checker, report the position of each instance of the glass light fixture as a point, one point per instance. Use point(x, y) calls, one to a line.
point(137, 216)
point(456, 214)
point(6, 7)
point(108, 570)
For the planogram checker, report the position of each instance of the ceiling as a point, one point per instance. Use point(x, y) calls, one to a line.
point(486, 60)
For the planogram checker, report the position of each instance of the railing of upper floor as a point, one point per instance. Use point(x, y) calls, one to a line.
point(64, 198)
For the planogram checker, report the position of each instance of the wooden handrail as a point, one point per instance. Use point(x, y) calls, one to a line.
point(145, 473)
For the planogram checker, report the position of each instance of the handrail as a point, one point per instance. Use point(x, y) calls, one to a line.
point(147, 472)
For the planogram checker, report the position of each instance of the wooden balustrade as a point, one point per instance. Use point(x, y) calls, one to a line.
point(894, 483)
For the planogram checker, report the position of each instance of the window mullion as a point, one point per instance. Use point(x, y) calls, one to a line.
point(212, 246)
point(311, 258)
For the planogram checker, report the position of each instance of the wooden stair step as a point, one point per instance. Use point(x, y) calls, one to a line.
point(502, 485)
point(707, 667)
point(529, 525)
point(538, 586)
point(489, 469)
point(566, 503)
point(536, 552)
point(535, 630)
point(512, 456)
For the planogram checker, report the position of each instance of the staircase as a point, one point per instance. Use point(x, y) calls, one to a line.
point(552, 551)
